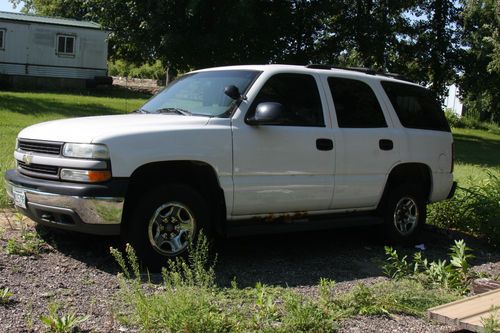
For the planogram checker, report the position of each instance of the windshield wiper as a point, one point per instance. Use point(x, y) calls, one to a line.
point(174, 110)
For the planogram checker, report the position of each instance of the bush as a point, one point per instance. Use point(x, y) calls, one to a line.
point(457, 121)
point(474, 209)
point(122, 68)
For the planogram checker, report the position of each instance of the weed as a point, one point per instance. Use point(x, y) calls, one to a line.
point(190, 301)
point(454, 275)
point(396, 296)
point(5, 295)
point(301, 314)
point(29, 245)
point(325, 288)
point(491, 323)
point(173, 308)
point(266, 310)
point(28, 311)
point(61, 323)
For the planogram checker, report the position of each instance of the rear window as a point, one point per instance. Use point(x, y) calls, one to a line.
point(416, 107)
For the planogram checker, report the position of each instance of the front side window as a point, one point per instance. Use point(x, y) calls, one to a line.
point(2, 39)
point(201, 93)
point(416, 107)
point(299, 95)
point(355, 103)
point(65, 45)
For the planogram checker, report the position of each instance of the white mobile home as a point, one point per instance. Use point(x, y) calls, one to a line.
point(41, 51)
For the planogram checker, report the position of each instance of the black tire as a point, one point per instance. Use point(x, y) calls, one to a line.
point(404, 204)
point(141, 229)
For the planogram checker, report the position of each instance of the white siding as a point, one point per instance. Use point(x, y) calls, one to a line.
point(30, 49)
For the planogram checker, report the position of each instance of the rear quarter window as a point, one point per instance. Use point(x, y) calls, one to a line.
point(416, 107)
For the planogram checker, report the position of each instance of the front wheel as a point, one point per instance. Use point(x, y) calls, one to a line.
point(164, 222)
point(404, 213)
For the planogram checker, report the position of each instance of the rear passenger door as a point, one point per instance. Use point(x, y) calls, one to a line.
point(366, 148)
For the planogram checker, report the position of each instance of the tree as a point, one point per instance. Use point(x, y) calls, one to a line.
point(75, 9)
point(480, 80)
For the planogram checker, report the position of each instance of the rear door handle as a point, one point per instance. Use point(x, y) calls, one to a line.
point(386, 144)
point(324, 144)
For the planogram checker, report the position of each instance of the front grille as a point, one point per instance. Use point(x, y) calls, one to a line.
point(44, 147)
point(38, 169)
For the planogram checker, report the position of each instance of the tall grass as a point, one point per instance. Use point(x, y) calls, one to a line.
point(190, 301)
point(475, 209)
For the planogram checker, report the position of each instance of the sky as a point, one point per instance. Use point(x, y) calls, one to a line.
point(452, 101)
point(6, 6)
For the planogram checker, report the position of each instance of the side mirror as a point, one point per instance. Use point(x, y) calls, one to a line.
point(233, 92)
point(268, 113)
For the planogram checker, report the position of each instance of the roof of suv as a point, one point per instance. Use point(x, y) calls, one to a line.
point(321, 69)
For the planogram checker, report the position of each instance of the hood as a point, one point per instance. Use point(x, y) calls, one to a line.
point(96, 129)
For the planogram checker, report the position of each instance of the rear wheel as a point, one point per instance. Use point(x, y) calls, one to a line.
point(404, 213)
point(164, 222)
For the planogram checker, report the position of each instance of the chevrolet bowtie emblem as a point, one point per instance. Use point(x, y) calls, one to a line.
point(27, 158)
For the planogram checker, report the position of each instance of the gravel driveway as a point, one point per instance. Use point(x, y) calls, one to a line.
point(77, 271)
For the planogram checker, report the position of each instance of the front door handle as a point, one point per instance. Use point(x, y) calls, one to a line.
point(324, 144)
point(386, 144)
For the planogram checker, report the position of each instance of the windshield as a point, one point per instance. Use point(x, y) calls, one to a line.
point(200, 94)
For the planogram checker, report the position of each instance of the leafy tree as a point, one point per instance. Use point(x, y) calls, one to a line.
point(480, 63)
point(75, 9)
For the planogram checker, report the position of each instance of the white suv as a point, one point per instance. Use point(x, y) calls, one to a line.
point(242, 149)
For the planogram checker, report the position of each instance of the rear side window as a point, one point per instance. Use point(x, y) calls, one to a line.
point(416, 107)
point(355, 103)
point(299, 94)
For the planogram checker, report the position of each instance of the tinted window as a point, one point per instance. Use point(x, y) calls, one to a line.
point(355, 104)
point(416, 107)
point(2, 33)
point(299, 95)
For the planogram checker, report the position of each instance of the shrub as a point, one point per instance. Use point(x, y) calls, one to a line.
point(457, 121)
point(474, 209)
point(144, 71)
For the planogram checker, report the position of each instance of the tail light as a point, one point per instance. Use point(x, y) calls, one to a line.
point(452, 156)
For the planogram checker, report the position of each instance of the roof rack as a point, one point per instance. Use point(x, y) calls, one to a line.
point(368, 71)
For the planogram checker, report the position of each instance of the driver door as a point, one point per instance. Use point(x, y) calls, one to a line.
point(287, 167)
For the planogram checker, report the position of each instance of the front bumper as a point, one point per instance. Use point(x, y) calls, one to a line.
point(88, 208)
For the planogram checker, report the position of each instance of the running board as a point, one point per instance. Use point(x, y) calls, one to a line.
point(260, 227)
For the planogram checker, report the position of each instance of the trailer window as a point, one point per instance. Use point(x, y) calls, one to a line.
point(65, 45)
point(2, 39)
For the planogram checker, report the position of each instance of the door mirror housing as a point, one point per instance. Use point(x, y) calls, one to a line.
point(233, 92)
point(268, 113)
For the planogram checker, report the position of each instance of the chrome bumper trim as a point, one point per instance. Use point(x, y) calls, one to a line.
point(91, 210)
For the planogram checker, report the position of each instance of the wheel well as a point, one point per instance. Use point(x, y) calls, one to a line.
point(416, 173)
point(199, 175)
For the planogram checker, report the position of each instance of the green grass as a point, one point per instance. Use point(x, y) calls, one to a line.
point(476, 152)
point(22, 109)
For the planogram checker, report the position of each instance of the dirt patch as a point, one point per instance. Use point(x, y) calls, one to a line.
point(77, 272)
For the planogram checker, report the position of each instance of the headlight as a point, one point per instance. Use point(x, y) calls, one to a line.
point(86, 150)
point(86, 176)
